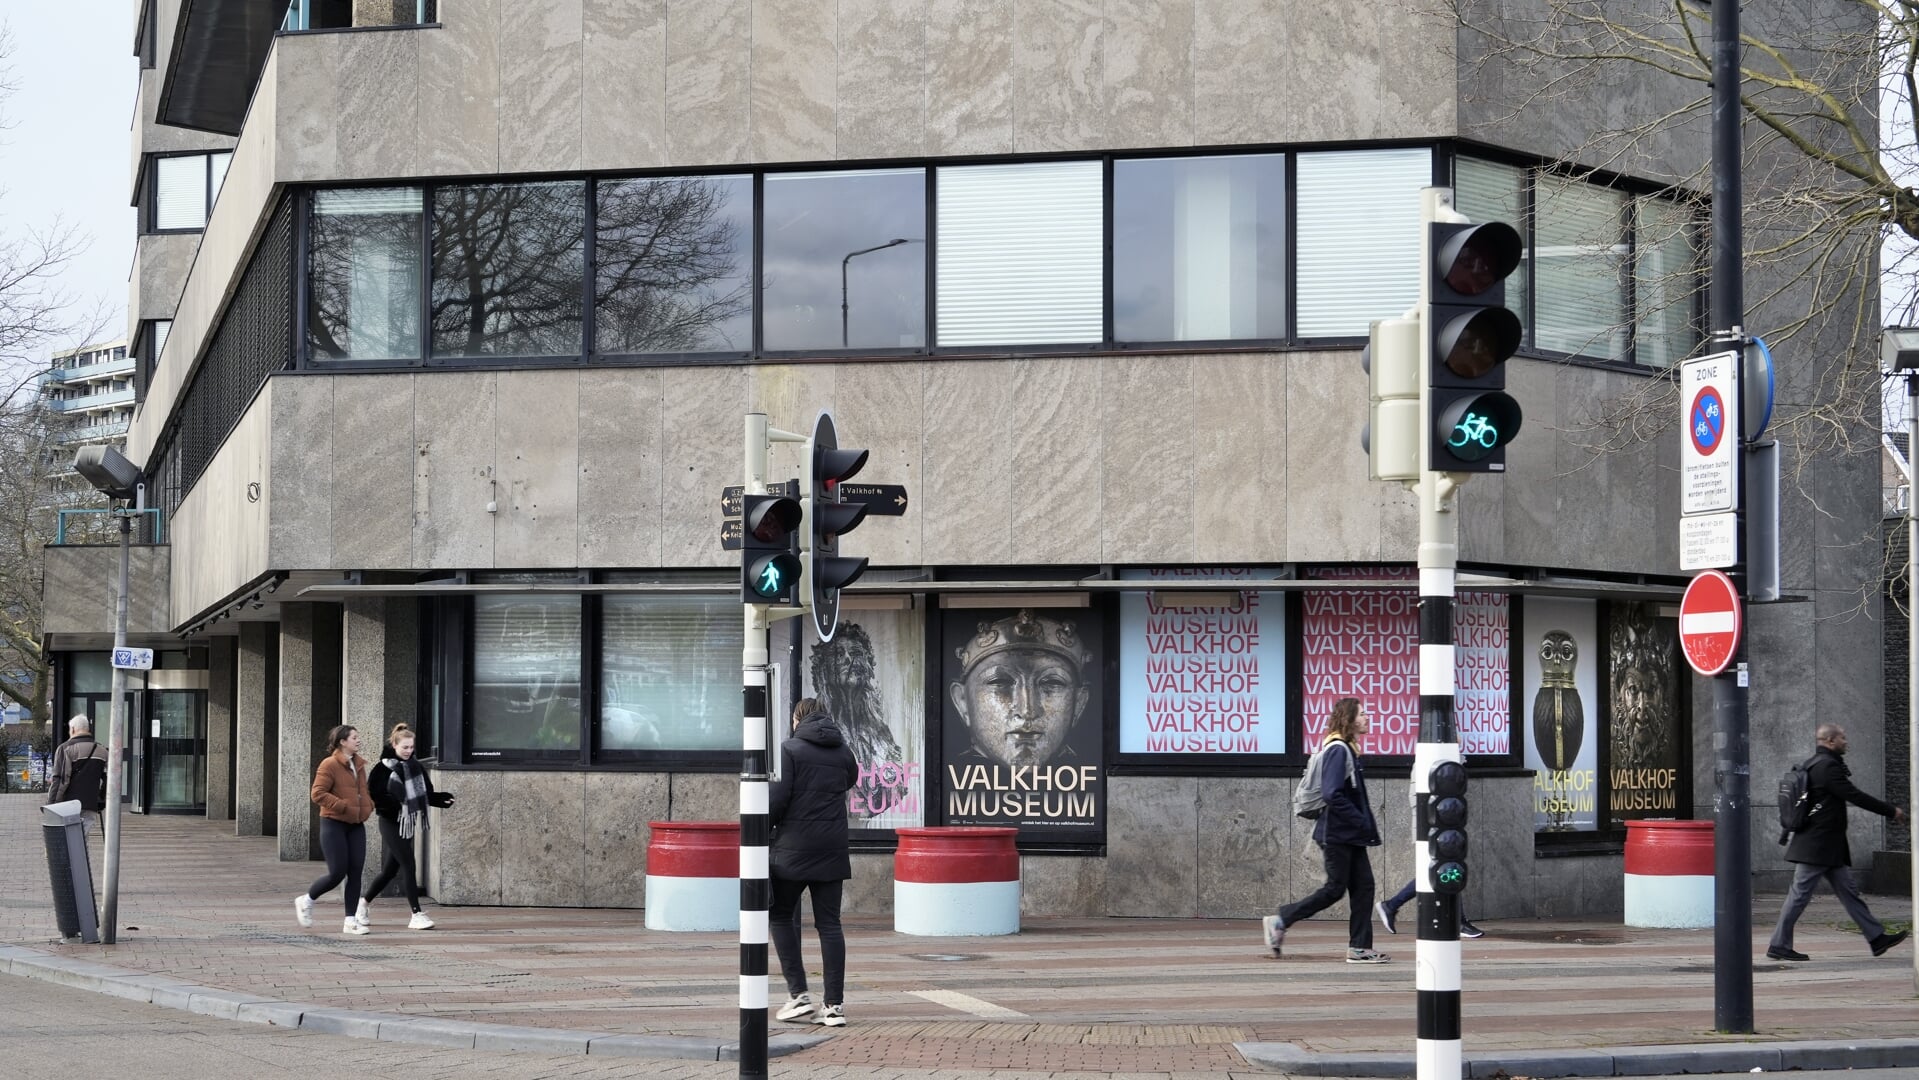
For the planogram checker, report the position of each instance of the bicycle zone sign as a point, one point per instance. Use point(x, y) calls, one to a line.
point(1709, 400)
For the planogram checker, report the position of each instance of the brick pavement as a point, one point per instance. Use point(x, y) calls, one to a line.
point(1094, 995)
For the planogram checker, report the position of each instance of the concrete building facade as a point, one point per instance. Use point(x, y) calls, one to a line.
point(457, 368)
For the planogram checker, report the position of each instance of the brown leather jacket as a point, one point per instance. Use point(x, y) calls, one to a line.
point(340, 792)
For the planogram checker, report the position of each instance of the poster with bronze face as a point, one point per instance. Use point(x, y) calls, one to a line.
point(871, 678)
point(1022, 729)
point(1645, 770)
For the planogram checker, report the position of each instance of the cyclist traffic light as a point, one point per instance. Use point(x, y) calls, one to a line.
point(1469, 336)
point(827, 518)
point(1445, 826)
point(770, 568)
point(1391, 435)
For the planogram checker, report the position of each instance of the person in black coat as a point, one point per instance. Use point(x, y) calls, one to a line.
point(1344, 830)
point(401, 792)
point(1820, 850)
point(808, 815)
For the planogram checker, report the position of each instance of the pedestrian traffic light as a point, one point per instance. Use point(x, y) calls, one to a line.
point(1391, 435)
point(1445, 826)
point(770, 567)
point(1469, 336)
point(827, 518)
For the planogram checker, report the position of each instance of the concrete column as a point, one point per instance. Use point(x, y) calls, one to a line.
point(254, 751)
point(301, 739)
point(220, 727)
point(379, 647)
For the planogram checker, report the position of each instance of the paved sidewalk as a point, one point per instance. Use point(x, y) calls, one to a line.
point(207, 923)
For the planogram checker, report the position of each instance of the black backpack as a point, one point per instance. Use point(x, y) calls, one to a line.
point(88, 783)
point(1795, 799)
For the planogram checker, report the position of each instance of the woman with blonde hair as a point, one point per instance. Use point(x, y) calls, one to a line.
point(1344, 830)
point(401, 793)
point(340, 791)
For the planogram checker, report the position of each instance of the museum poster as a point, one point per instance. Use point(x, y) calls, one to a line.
point(1202, 680)
point(1561, 719)
point(872, 679)
point(1643, 673)
point(1364, 643)
point(1022, 728)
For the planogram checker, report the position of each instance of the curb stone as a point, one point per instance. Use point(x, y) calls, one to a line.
point(1617, 1061)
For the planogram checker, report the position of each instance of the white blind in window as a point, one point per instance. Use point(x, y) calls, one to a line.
point(161, 329)
point(1487, 191)
point(180, 192)
point(216, 176)
point(1021, 254)
point(665, 664)
point(364, 201)
point(1581, 259)
point(1358, 238)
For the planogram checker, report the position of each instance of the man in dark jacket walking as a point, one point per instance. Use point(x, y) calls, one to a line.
point(1344, 831)
point(808, 815)
point(1820, 849)
point(80, 771)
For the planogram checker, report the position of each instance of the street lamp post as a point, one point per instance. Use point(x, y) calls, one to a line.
point(119, 480)
point(895, 242)
point(1900, 350)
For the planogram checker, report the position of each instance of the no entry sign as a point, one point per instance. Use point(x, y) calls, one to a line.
point(1709, 622)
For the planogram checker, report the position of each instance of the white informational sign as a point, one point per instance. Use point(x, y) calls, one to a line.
point(1708, 541)
point(136, 659)
point(1709, 425)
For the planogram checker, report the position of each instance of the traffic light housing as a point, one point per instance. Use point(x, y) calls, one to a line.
point(1445, 826)
point(770, 569)
point(828, 517)
point(1391, 435)
point(1469, 336)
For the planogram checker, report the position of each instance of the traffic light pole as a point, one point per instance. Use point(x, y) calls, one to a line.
point(1732, 765)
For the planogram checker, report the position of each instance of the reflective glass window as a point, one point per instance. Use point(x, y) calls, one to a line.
point(673, 265)
point(668, 672)
point(843, 260)
point(526, 674)
point(508, 267)
point(1199, 248)
point(363, 274)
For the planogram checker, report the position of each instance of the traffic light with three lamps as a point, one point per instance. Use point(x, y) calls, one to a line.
point(828, 517)
point(1445, 826)
point(1469, 336)
point(770, 569)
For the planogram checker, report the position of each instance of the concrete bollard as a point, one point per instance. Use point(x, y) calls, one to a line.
point(956, 881)
point(1669, 878)
point(693, 875)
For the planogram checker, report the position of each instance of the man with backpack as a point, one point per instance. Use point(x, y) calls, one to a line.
point(1819, 849)
point(80, 770)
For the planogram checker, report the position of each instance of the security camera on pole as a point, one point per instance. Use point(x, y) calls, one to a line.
point(1455, 350)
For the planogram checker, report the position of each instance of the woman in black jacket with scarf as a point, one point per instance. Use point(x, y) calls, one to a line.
point(808, 815)
point(401, 793)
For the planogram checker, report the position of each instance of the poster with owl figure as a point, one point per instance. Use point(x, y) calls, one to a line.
point(1560, 701)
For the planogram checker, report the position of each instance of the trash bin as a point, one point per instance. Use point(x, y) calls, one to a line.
point(693, 875)
point(956, 881)
point(1669, 879)
point(72, 874)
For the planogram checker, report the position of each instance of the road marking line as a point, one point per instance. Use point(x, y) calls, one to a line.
point(953, 999)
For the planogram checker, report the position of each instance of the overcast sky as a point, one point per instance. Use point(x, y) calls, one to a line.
point(64, 155)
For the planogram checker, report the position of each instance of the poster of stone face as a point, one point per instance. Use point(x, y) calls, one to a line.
point(1022, 731)
point(871, 678)
point(1362, 643)
point(1559, 699)
point(1644, 676)
point(1202, 681)
point(1482, 648)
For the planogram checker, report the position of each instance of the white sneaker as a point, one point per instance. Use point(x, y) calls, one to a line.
point(353, 926)
point(831, 1016)
point(419, 922)
point(303, 909)
point(360, 916)
point(797, 1007)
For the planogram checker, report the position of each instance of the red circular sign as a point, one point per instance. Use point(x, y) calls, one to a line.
point(1709, 622)
point(1706, 421)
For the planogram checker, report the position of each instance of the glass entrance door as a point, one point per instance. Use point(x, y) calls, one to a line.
point(174, 764)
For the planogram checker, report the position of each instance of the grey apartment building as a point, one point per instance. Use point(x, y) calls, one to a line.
point(439, 392)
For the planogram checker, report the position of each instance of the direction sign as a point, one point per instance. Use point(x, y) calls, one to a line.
point(886, 500)
point(1708, 398)
point(732, 496)
point(730, 533)
point(1709, 622)
point(136, 659)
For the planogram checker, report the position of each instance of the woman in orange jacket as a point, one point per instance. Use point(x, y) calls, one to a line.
point(340, 791)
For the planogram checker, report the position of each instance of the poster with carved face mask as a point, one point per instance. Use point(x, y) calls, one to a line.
point(1023, 736)
point(1645, 766)
point(1560, 699)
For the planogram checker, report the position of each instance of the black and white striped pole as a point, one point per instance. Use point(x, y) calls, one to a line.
point(769, 578)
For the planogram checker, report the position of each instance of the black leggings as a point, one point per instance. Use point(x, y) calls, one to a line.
point(784, 922)
point(345, 849)
point(399, 860)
